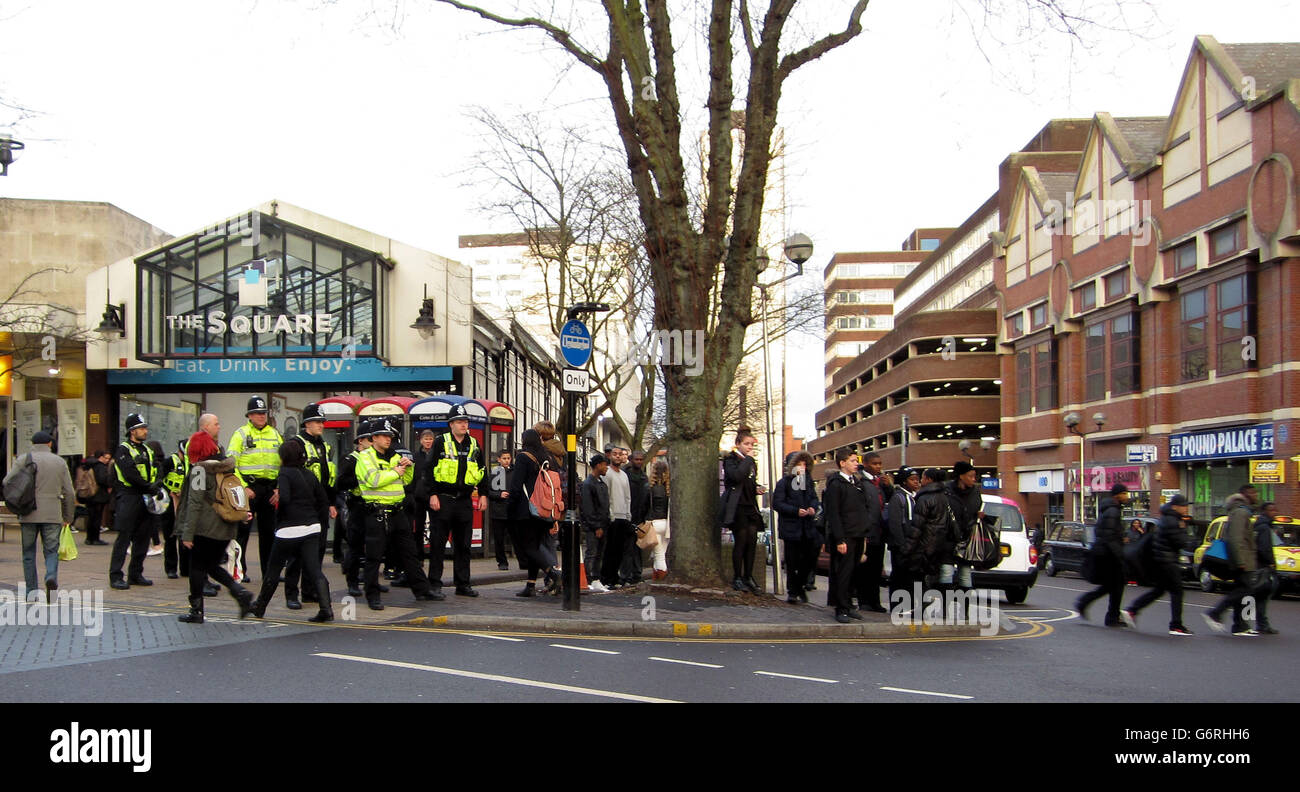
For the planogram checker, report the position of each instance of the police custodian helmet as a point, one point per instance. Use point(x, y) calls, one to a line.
point(383, 426)
point(312, 412)
point(134, 421)
point(256, 405)
point(458, 411)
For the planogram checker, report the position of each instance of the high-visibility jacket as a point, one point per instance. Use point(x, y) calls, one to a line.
point(318, 462)
point(256, 453)
point(140, 457)
point(447, 469)
point(347, 474)
point(180, 469)
point(378, 478)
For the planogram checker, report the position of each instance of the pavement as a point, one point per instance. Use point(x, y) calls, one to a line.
point(650, 610)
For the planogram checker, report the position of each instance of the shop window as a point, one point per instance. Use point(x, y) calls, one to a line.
point(1181, 260)
point(1232, 324)
point(1224, 242)
point(1095, 362)
point(1024, 382)
point(1195, 356)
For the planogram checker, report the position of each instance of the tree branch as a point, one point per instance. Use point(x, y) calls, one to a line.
point(819, 48)
point(557, 34)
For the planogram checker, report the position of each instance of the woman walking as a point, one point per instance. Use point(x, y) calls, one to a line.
point(203, 532)
point(795, 501)
point(303, 509)
point(526, 531)
point(660, 487)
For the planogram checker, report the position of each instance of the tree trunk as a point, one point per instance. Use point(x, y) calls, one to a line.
point(695, 548)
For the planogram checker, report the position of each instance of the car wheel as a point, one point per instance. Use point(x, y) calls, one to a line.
point(1017, 596)
point(1206, 580)
point(1049, 567)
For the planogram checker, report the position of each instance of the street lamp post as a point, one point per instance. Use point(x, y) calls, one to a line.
point(1072, 421)
point(798, 249)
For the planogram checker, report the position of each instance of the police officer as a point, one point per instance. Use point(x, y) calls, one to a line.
point(383, 475)
point(354, 518)
point(255, 448)
point(454, 473)
point(320, 461)
point(137, 478)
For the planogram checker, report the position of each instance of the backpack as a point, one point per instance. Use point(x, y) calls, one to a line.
point(545, 501)
point(85, 486)
point(20, 488)
point(230, 501)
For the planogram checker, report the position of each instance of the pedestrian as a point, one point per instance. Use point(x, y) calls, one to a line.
point(1107, 558)
point(967, 509)
point(795, 501)
point(527, 530)
point(879, 489)
point(165, 523)
point(424, 516)
point(255, 447)
point(559, 459)
point(1264, 539)
point(1243, 554)
point(620, 520)
point(96, 467)
point(1170, 540)
point(594, 513)
point(902, 532)
point(1136, 529)
point(354, 518)
point(936, 530)
point(498, 501)
point(848, 517)
point(740, 512)
point(56, 506)
point(660, 491)
point(202, 530)
point(137, 478)
point(452, 478)
point(302, 516)
point(382, 475)
point(320, 463)
point(633, 566)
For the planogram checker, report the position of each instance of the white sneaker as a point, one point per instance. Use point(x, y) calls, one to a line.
point(597, 587)
point(153, 551)
point(1214, 623)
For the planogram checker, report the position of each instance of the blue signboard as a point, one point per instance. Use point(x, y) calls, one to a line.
point(272, 371)
point(575, 344)
point(1240, 441)
point(991, 483)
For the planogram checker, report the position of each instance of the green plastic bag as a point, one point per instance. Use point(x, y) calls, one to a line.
point(67, 545)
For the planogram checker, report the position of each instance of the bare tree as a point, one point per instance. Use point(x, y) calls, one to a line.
point(33, 333)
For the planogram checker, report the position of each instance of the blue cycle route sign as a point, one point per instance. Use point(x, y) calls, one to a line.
point(575, 343)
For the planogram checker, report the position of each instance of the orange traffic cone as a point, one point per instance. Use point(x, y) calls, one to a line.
point(582, 576)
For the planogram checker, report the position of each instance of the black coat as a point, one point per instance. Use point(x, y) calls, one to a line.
point(302, 499)
point(935, 529)
point(595, 504)
point(100, 471)
point(1171, 537)
point(740, 477)
point(880, 493)
point(1264, 541)
point(1108, 547)
point(788, 500)
point(658, 503)
point(966, 506)
point(639, 485)
point(522, 474)
point(901, 530)
point(849, 512)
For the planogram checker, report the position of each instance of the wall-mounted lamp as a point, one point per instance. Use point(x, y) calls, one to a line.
point(7, 148)
point(425, 322)
point(113, 323)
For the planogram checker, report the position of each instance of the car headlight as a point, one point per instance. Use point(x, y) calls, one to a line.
point(1290, 562)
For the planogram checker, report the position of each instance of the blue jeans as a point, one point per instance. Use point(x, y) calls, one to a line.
point(959, 574)
point(49, 534)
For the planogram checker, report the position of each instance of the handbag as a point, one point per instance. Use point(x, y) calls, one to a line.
point(67, 545)
point(1216, 560)
point(982, 549)
point(646, 535)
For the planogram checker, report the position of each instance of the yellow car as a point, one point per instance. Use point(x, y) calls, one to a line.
point(1286, 553)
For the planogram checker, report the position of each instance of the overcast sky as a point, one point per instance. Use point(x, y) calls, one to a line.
point(183, 113)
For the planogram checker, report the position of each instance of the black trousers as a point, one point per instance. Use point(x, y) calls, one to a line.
point(901, 577)
point(868, 574)
point(205, 561)
point(593, 552)
point(176, 557)
point(133, 530)
point(340, 532)
point(454, 518)
point(354, 551)
point(745, 531)
point(500, 526)
point(307, 551)
point(1114, 589)
point(616, 538)
point(528, 535)
point(633, 561)
point(94, 520)
point(1243, 586)
point(1167, 579)
point(264, 516)
point(843, 565)
point(389, 531)
point(800, 558)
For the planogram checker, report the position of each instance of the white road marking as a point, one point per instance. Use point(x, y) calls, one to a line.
point(796, 676)
point(926, 693)
point(1186, 604)
point(685, 662)
point(495, 637)
point(498, 678)
point(585, 649)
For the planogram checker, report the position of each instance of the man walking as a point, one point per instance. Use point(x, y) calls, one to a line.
point(1243, 554)
point(594, 514)
point(869, 572)
point(1267, 566)
point(848, 516)
point(320, 461)
point(255, 447)
point(498, 503)
point(454, 473)
point(383, 474)
point(56, 505)
point(1108, 558)
point(137, 478)
point(1170, 540)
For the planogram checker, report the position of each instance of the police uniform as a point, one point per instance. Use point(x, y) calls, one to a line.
point(453, 475)
point(383, 491)
point(137, 474)
point(353, 517)
point(257, 464)
point(320, 461)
